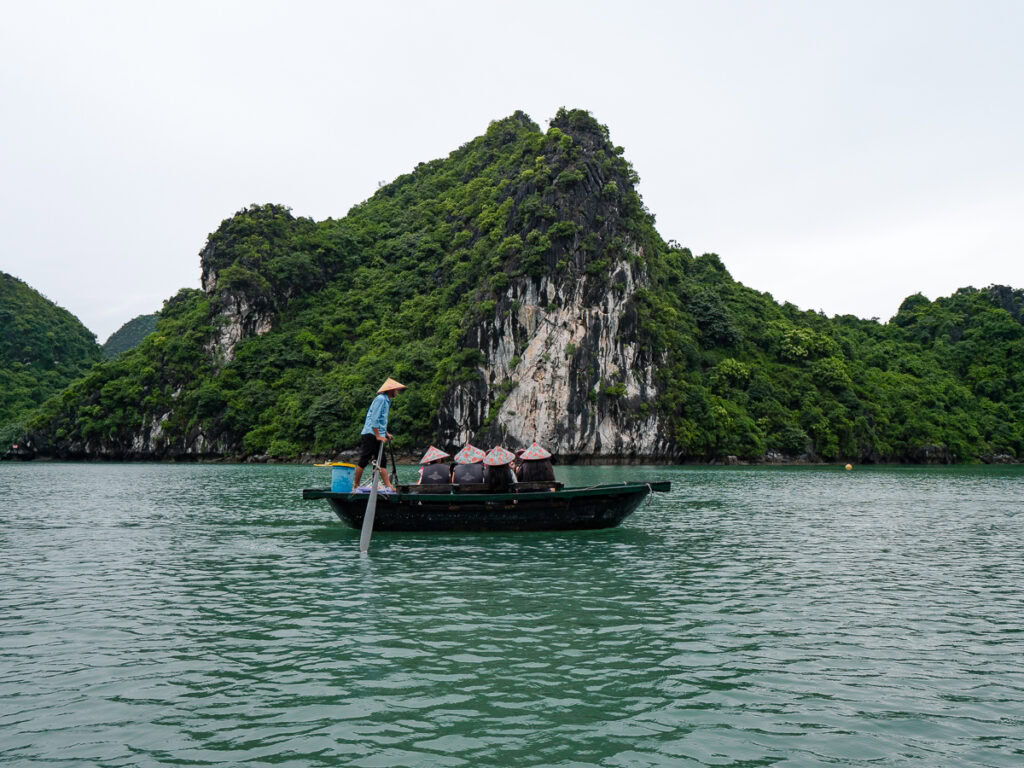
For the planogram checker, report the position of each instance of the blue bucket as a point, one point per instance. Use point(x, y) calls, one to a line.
point(342, 476)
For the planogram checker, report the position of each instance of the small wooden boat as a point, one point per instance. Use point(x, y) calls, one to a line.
point(544, 506)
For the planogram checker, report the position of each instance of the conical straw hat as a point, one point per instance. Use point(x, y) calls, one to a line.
point(499, 457)
point(433, 454)
point(469, 455)
point(535, 452)
point(390, 384)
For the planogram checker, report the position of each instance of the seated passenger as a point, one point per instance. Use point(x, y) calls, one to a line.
point(498, 472)
point(433, 471)
point(536, 466)
point(468, 467)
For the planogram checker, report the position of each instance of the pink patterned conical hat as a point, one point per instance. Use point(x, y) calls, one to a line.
point(433, 454)
point(499, 457)
point(469, 455)
point(535, 452)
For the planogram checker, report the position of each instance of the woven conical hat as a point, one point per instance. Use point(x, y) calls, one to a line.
point(535, 452)
point(433, 454)
point(469, 455)
point(499, 456)
point(390, 384)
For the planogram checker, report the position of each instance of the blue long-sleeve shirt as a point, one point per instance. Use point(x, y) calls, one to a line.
point(377, 415)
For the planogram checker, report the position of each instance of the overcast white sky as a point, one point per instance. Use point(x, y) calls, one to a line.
point(838, 155)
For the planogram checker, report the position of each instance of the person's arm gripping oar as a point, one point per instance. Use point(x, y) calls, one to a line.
point(371, 504)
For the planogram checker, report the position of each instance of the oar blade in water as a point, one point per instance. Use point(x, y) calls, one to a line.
point(371, 505)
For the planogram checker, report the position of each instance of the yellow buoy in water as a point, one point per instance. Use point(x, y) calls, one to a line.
point(849, 466)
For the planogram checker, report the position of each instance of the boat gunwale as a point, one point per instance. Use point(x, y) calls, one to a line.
point(605, 489)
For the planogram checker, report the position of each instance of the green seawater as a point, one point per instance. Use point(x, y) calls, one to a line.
point(156, 615)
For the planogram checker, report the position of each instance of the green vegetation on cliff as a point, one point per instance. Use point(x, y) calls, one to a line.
point(943, 381)
point(42, 349)
point(388, 290)
point(129, 335)
point(299, 321)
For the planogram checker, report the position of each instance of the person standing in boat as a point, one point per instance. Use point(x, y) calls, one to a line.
point(469, 466)
point(375, 430)
point(535, 466)
point(498, 472)
point(432, 471)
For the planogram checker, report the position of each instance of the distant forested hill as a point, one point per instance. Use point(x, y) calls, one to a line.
point(129, 335)
point(520, 288)
point(42, 349)
point(943, 381)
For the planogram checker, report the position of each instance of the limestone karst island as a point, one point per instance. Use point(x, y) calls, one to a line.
point(521, 290)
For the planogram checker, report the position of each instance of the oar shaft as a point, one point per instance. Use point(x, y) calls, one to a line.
point(371, 505)
point(394, 466)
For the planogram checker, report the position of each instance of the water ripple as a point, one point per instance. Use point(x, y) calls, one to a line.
point(195, 615)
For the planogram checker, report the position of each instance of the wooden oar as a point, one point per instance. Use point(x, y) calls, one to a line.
point(394, 467)
point(371, 505)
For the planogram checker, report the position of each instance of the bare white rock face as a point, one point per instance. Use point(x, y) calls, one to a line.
point(563, 371)
point(236, 321)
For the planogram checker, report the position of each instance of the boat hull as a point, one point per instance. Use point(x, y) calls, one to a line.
point(569, 509)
